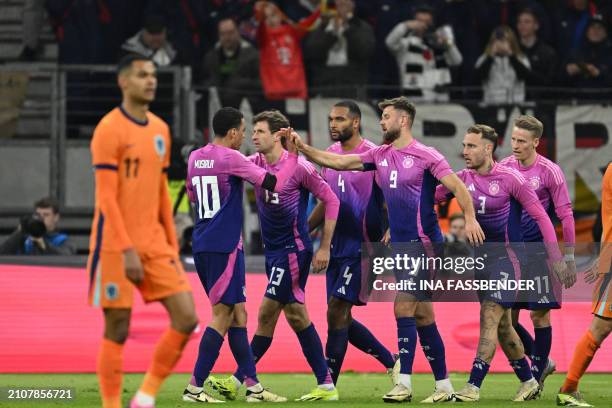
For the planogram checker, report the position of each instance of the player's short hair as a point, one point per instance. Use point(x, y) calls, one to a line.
point(225, 119)
point(47, 202)
point(400, 103)
point(531, 124)
point(456, 216)
point(351, 106)
point(486, 132)
point(275, 119)
point(127, 61)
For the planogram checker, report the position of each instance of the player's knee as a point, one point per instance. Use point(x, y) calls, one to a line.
point(404, 309)
point(338, 314)
point(240, 317)
point(117, 328)
point(540, 318)
point(297, 321)
point(186, 322)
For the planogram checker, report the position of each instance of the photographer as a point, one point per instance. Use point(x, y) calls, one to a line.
point(503, 68)
point(36, 234)
point(424, 54)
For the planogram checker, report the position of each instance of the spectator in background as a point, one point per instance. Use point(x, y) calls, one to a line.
point(280, 56)
point(571, 25)
point(232, 66)
point(338, 53)
point(152, 42)
point(424, 54)
point(37, 235)
point(503, 68)
point(33, 12)
point(456, 228)
point(589, 65)
point(542, 57)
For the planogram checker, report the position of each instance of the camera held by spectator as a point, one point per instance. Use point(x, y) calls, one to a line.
point(36, 233)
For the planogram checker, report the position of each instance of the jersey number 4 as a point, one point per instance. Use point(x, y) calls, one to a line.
point(208, 204)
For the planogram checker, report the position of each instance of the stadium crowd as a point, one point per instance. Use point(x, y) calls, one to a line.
point(506, 49)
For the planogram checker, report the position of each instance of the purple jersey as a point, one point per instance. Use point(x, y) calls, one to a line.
point(548, 182)
point(283, 216)
point(214, 184)
point(408, 179)
point(360, 204)
point(498, 197)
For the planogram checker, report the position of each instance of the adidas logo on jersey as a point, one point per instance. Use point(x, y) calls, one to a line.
point(403, 351)
point(271, 291)
point(471, 187)
point(383, 163)
point(544, 299)
point(496, 295)
point(341, 290)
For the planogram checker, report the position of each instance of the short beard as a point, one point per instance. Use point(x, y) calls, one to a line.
point(343, 135)
point(391, 135)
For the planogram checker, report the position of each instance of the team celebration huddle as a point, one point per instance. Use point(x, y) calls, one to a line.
point(361, 188)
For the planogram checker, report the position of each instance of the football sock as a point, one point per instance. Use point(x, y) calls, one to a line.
point(109, 368)
point(478, 373)
point(583, 354)
point(259, 346)
point(210, 344)
point(313, 351)
point(360, 337)
point(335, 350)
point(543, 342)
point(406, 343)
point(521, 369)
point(433, 347)
point(526, 339)
point(167, 353)
point(239, 344)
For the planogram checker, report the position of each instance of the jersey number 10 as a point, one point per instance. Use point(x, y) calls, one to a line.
point(208, 205)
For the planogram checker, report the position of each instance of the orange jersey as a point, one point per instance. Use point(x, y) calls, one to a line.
point(133, 208)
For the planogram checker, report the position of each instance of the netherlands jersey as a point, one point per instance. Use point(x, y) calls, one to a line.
point(498, 198)
point(361, 205)
point(283, 216)
point(548, 182)
point(408, 179)
point(214, 183)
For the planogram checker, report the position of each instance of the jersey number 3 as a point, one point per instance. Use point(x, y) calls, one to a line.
point(208, 204)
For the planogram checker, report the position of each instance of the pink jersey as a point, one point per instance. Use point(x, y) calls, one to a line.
point(361, 204)
point(283, 216)
point(408, 178)
point(499, 198)
point(214, 184)
point(548, 182)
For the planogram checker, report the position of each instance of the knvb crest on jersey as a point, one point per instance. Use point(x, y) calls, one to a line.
point(408, 162)
point(534, 182)
point(494, 187)
point(160, 146)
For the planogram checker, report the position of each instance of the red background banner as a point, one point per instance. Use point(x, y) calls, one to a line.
point(47, 327)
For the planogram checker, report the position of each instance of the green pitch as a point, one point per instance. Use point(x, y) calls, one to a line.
point(356, 390)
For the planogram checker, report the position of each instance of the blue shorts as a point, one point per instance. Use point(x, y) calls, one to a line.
point(222, 276)
point(287, 275)
point(346, 280)
point(547, 293)
point(500, 268)
point(417, 251)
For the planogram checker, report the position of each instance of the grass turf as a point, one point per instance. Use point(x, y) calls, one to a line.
point(356, 390)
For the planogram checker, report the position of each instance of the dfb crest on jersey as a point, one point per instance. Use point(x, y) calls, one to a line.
point(160, 145)
point(111, 291)
point(494, 187)
point(408, 162)
point(534, 182)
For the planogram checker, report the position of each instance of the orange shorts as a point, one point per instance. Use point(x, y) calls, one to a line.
point(602, 296)
point(109, 287)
